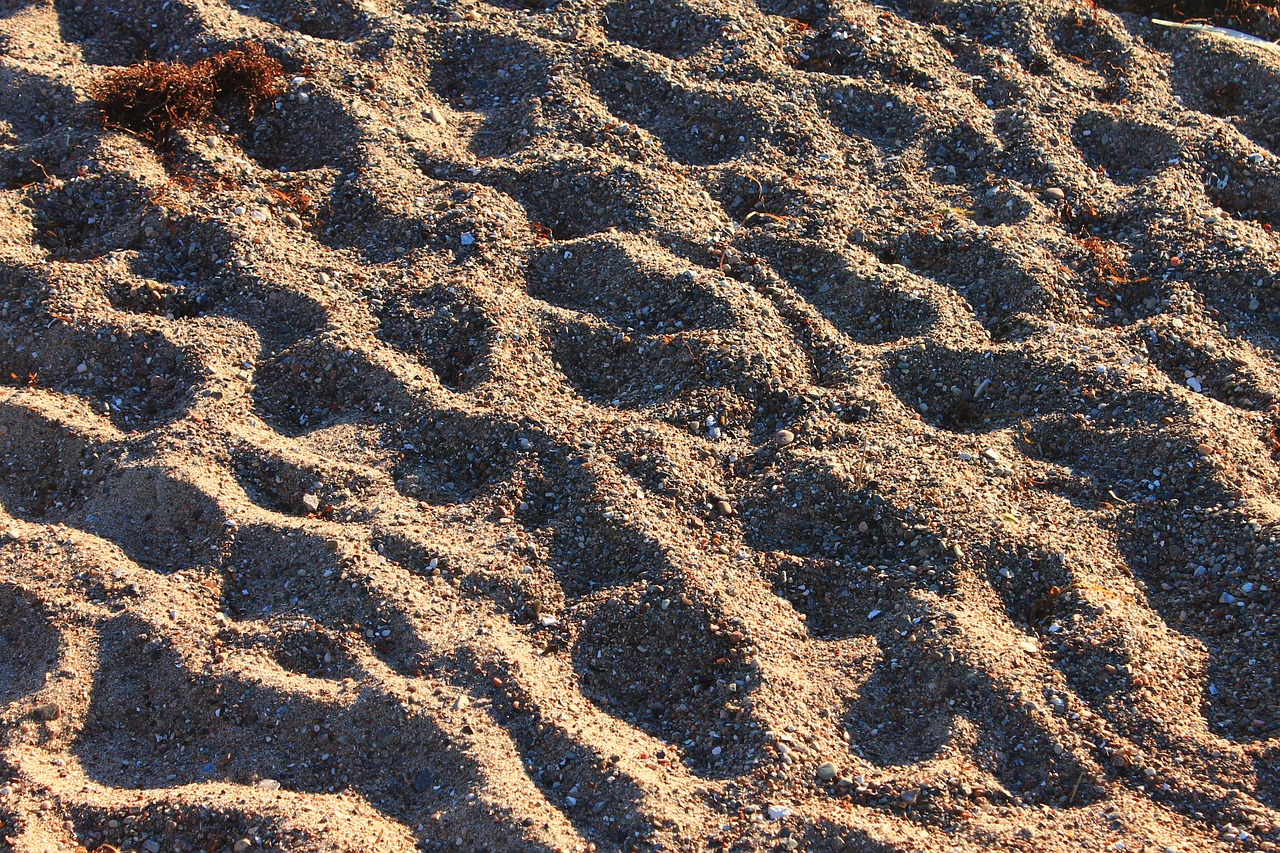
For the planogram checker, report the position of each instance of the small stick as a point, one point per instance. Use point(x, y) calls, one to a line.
point(1075, 788)
point(1222, 32)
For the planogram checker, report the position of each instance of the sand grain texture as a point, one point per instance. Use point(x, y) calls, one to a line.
point(400, 465)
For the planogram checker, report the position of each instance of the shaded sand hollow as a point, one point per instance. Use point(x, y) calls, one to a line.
point(666, 425)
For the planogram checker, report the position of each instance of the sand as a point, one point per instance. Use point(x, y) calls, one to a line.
point(645, 426)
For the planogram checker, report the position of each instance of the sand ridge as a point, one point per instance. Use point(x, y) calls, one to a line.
point(641, 426)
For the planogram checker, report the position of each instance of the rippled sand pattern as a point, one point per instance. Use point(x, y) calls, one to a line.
point(657, 425)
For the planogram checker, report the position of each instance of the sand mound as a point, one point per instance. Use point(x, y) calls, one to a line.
point(664, 425)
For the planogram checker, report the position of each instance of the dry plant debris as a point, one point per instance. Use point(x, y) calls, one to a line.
point(154, 99)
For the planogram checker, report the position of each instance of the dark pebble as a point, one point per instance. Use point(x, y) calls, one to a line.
point(424, 780)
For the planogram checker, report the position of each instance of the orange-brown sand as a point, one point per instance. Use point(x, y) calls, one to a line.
point(668, 425)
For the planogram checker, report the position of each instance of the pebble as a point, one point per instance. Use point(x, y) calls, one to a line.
point(47, 711)
point(424, 780)
point(311, 502)
point(437, 116)
point(826, 771)
point(292, 219)
point(1055, 193)
point(992, 455)
point(269, 784)
point(783, 437)
point(777, 812)
point(151, 845)
point(724, 507)
point(242, 845)
point(467, 239)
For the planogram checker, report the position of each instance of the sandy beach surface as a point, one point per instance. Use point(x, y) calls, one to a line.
point(667, 425)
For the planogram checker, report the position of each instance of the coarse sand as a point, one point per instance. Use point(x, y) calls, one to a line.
point(672, 425)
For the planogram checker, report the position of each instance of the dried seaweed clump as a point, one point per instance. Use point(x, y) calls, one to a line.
point(154, 99)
